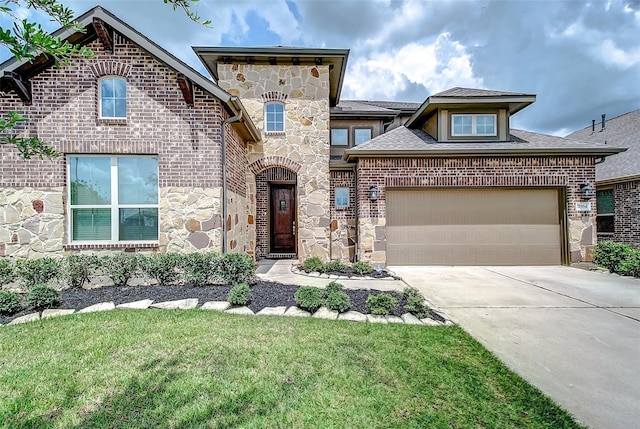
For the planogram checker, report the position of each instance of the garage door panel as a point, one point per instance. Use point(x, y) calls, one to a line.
point(473, 255)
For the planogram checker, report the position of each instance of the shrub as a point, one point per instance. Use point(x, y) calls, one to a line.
point(338, 301)
point(334, 287)
point(415, 303)
point(630, 265)
point(609, 254)
point(42, 296)
point(362, 268)
point(120, 267)
point(309, 298)
point(198, 267)
point(10, 302)
point(77, 269)
point(239, 294)
point(334, 267)
point(7, 271)
point(162, 267)
point(36, 271)
point(235, 268)
point(382, 303)
point(313, 264)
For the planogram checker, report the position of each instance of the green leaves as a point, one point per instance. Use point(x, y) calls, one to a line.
point(28, 147)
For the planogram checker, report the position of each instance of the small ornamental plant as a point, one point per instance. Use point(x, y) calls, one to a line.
point(415, 303)
point(381, 304)
point(10, 302)
point(42, 296)
point(334, 287)
point(338, 301)
point(334, 267)
point(313, 264)
point(239, 294)
point(309, 298)
point(362, 268)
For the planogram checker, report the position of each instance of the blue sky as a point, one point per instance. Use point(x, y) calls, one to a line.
point(581, 58)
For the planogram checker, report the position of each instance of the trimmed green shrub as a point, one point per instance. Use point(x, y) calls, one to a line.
point(334, 287)
point(77, 269)
point(415, 303)
point(10, 302)
point(42, 296)
point(313, 264)
point(362, 268)
point(338, 301)
point(198, 267)
point(35, 271)
point(239, 294)
point(381, 304)
point(234, 268)
point(630, 265)
point(162, 267)
point(309, 298)
point(7, 271)
point(120, 267)
point(618, 258)
point(334, 267)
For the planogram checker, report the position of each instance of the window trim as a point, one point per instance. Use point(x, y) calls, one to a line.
point(355, 129)
point(266, 116)
point(114, 205)
point(126, 98)
point(346, 130)
point(335, 197)
point(474, 125)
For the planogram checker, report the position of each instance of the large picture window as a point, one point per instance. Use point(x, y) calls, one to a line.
point(473, 125)
point(113, 199)
point(274, 117)
point(113, 97)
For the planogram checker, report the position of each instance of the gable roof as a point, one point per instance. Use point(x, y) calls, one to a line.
point(26, 68)
point(408, 142)
point(621, 131)
point(475, 92)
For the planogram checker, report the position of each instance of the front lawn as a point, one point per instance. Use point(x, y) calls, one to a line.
point(191, 369)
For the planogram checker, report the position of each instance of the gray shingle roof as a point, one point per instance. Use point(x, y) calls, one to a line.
point(473, 92)
point(360, 106)
point(621, 131)
point(404, 141)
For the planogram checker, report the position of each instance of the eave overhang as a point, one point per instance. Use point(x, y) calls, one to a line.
point(616, 180)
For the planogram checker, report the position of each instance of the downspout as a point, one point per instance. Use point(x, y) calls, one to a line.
point(356, 253)
point(224, 177)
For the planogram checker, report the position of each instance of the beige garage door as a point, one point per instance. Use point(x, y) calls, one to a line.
point(473, 227)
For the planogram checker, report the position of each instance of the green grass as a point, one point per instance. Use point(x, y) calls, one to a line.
point(191, 369)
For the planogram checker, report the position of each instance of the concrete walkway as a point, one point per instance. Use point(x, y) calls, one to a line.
point(572, 333)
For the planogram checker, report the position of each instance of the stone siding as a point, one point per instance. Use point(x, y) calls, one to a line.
point(627, 212)
point(186, 139)
point(304, 90)
point(561, 172)
point(343, 220)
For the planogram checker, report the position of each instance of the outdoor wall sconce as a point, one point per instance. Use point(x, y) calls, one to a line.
point(587, 191)
point(373, 193)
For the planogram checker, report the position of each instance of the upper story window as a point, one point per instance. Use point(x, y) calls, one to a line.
point(339, 137)
point(113, 97)
point(274, 117)
point(361, 135)
point(113, 199)
point(473, 125)
point(341, 198)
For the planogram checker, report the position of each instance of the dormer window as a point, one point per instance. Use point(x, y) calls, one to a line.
point(473, 125)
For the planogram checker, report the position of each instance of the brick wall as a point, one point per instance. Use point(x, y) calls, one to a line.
point(627, 212)
point(343, 221)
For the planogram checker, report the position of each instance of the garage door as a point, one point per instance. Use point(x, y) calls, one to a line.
point(473, 227)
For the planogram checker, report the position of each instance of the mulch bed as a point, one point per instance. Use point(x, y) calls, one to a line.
point(263, 294)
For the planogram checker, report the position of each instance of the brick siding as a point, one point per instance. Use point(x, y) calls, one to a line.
point(627, 212)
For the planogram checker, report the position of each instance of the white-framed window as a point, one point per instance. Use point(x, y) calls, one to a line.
point(339, 137)
point(113, 97)
point(473, 125)
point(341, 198)
point(361, 135)
point(113, 198)
point(274, 117)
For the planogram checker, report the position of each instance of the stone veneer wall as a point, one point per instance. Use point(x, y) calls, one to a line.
point(562, 172)
point(305, 142)
point(627, 212)
point(343, 221)
point(159, 122)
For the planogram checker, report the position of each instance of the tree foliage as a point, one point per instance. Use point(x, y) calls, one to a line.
point(27, 40)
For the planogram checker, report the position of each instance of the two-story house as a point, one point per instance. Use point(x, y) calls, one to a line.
point(266, 159)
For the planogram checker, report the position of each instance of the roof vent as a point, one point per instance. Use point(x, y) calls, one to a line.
point(603, 123)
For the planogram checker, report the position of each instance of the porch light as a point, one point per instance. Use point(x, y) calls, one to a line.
point(587, 191)
point(373, 193)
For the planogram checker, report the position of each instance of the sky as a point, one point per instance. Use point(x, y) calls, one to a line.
point(581, 58)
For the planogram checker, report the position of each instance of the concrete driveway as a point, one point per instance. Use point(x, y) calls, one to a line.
point(574, 334)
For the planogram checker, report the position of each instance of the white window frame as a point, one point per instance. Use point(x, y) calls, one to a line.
point(355, 134)
point(346, 134)
point(266, 117)
point(114, 206)
point(336, 192)
point(474, 125)
point(126, 97)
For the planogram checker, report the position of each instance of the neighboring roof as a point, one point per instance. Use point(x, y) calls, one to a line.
point(27, 69)
point(404, 106)
point(465, 97)
point(336, 59)
point(403, 142)
point(621, 131)
point(351, 109)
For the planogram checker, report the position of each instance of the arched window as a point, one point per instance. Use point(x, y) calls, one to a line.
point(274, 117)
point(113, 97)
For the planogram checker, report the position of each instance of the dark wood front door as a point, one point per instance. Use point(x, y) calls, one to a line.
point(283, 218)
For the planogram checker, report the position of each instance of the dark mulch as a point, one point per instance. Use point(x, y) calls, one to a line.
point(263, 294)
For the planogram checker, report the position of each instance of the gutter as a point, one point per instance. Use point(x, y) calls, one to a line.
point(235, 118)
